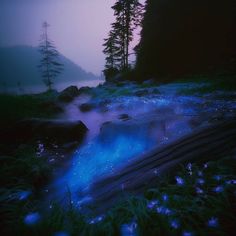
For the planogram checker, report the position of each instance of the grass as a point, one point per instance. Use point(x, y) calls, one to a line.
point(17, 107)
point(22, 174)
point(205, 207)
point(225, 83)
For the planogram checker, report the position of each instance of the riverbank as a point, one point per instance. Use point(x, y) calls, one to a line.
point(143, 115)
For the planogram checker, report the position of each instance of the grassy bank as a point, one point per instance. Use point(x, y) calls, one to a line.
point(17, 107)
point(226, 83)
point(198, 200)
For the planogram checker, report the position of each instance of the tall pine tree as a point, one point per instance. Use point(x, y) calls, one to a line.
point(50, 66)
point(128, 16)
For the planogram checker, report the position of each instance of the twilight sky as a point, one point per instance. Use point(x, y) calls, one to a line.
point(78, 27)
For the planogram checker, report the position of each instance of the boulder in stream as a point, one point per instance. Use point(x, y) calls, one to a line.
point(68, 94)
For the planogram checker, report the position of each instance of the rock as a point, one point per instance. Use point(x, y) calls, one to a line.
point(86, 107)
point(51, 107)
point(141, 93)
point(124, 117)
point(85, 90)
point(49, 131)
point(68, 94)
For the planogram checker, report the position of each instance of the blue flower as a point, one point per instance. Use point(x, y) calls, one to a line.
point(200, 181)
point(164, 210)
point(232, 181)
point(129, 229)
point(152, 204)
point(189, 166)
point(200, 173)
point(174, 224)
point(23, 195)
point(96, 219)
point(32, 218)
point(205, 165)
point(179, 180)
point(187, 233)
point(165, 197)
point(218, 189)
point(217, 177)
point(213, 222)
point(199, 191)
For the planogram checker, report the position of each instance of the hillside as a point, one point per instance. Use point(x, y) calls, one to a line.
point(19, 64)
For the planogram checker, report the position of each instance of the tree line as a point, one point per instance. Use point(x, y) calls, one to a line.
point(128, 17)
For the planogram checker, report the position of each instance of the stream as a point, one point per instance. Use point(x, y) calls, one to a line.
point(123, 128)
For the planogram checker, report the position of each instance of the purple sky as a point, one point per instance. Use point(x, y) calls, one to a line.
point(78, 27)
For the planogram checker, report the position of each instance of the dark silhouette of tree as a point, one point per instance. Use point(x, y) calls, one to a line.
point(111, 50)
point(184, 37)
point(128, 16)
point(50, 66)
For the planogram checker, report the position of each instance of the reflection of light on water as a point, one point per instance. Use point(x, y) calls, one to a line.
point(98, 159)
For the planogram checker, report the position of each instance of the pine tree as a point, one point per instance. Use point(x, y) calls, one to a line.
point(129, 14)
point(50, 66)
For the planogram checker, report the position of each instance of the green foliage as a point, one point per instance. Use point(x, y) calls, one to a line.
point(16, 107)
point(213, 83)
point(191, 209)
point(21, 171)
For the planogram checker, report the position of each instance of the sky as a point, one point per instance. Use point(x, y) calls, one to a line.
point(77, 27)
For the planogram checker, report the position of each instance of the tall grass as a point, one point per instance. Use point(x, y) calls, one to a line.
point(198, 200)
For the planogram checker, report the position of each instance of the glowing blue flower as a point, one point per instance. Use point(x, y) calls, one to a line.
point(96, 219)
point(32, 218)
point(218, 189)
point(213, 222)
point(187, 233)
point(189, 166)
point(23, 195)
point(165, 197)
point(179, 180)
point(174, 224)
point(129, 229)
point(164, 210)
point(199, 191)
point(152, 204)
point(205, 165)
point(217, 177)
point(199, 173)
point(233, 181)
point(200, 181)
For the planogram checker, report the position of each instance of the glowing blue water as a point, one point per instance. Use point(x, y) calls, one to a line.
point(99, 158)
point(102, 155)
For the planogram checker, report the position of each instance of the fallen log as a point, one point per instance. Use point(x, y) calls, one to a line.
point(208, 143)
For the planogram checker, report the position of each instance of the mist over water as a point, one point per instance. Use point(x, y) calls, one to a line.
point(42, 88)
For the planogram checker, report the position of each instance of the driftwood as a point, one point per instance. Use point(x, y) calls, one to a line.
point(210, 143)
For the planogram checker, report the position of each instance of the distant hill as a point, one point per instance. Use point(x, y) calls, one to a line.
point(19, 64)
